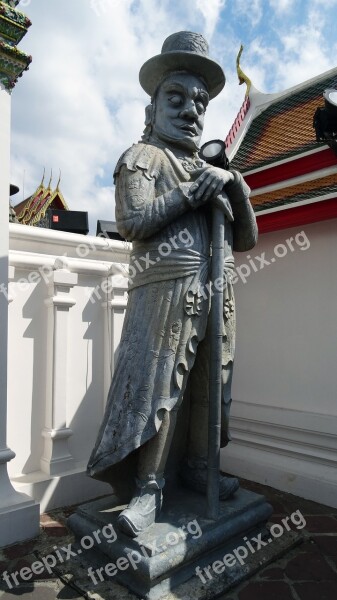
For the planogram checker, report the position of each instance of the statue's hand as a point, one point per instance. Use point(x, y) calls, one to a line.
point(209, 184)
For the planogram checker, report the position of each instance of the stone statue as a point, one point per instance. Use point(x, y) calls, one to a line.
point(12, 214)
point(164, 194)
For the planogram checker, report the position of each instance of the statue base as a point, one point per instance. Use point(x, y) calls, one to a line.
point(183, 544)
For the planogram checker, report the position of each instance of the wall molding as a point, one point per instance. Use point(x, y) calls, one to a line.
point(70, 487)
point(74, 245)
point(288, 449)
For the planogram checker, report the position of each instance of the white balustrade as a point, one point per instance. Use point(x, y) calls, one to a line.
point(19, 514)
point(56, 457)
point(114, 307)
point(69, 294)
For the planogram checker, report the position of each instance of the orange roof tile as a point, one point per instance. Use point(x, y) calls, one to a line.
point(284, 128)
point(293, 193)
point(291, 130)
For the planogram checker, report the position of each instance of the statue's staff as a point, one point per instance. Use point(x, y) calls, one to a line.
point(214, 153)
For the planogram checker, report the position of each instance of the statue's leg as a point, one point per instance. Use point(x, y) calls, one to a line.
point(194, 470)
point(153, 455)
point(146, 504)
point(199, 384)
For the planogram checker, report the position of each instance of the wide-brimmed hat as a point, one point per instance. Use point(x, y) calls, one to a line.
point(183, 51)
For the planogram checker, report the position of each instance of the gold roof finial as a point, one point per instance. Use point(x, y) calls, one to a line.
point(58, 183)
point(43, 176)
point(50, 180)
point(241, 75)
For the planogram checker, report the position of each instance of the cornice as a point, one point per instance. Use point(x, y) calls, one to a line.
point(13, 27)
point(13, 63)
point(15, 18)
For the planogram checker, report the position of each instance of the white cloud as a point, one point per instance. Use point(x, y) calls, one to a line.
point(252, 11)
point(325, 3)
point(283, 6)
point(80, 105)
point(296, 47)
point(210, 10)
point(306, 52)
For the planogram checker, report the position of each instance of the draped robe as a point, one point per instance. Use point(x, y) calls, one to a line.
point(169, 300)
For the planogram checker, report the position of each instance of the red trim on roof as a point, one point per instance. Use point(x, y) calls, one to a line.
point(295, 168)
point(238, 122)
point(297, 216)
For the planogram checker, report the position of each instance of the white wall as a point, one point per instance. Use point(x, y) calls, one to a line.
point(4, 191)
point(89, 329)
point(284, 411)
point(19, 514)
point(284, 415)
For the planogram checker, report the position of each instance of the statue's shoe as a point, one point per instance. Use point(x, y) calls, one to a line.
point(195, 478)
point(142, 511)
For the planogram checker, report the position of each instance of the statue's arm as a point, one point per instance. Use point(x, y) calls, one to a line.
point(139, 212)
point(245, 231)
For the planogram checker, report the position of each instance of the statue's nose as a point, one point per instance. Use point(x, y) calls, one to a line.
point(189, 111)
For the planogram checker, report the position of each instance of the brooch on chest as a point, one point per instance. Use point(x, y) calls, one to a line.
point(191, 165)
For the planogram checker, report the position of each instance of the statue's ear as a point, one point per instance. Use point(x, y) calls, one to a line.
point(148, 114)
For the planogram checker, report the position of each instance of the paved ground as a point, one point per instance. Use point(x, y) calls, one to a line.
point(308, 572)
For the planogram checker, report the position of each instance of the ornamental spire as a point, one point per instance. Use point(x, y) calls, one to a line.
point(43, 176)
point(58, 183)
point(50, 180)
point(241, 75)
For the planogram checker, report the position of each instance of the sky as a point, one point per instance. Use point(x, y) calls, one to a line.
point(80, 105)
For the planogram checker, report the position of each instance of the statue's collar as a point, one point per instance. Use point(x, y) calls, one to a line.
point(188, 162)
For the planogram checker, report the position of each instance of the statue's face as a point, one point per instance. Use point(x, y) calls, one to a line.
point(181, 103)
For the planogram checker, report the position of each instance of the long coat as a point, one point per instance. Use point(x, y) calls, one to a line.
point(169, 301)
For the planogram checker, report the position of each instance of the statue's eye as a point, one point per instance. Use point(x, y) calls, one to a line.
point(200, 107)
point(176, 100)
point(201, 104)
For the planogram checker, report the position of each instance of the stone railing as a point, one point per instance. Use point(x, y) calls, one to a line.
point(67, 298)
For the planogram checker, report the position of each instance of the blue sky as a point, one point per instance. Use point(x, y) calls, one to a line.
point(80, 105)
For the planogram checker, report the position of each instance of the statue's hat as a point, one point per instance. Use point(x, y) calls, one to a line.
point(183, 51)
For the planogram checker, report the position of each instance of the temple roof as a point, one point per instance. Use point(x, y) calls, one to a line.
point(272, 142)
point(314, 188)
point(13, 62)
point(285, 127)
point(13, 24)
point(33, 209)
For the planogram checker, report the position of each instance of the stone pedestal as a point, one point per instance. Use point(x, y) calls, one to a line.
point(179, 547)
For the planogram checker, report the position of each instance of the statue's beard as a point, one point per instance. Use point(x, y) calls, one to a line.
point(190, 144)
